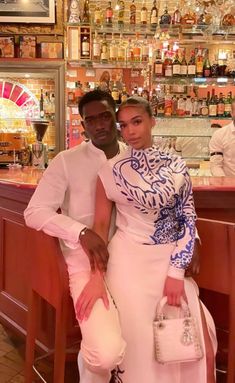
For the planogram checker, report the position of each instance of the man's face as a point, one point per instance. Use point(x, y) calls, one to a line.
point(99, 123)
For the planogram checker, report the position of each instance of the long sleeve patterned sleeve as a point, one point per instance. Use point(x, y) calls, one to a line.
point(186, 217)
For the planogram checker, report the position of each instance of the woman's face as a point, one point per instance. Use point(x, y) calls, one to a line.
point(136, 126)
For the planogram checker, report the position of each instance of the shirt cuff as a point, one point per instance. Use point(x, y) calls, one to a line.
point(75, 230)
point(175, 272)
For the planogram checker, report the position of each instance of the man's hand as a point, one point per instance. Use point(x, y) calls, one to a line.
point(194, 266)
point(94, 289)
point(174, 290)
point(96, 250)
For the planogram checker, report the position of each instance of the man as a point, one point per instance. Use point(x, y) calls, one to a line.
point(69, 183)
point(222, 149)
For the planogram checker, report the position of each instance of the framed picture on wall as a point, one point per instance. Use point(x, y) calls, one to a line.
point(33, 11)
point(52, 50)
point(6, 46)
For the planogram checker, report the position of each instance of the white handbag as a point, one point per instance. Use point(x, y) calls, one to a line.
point(176, 339)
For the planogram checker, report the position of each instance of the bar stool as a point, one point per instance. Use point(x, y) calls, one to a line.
point(48, 280)
point(217, 272)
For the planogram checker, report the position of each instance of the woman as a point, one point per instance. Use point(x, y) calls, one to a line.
point(151, 249)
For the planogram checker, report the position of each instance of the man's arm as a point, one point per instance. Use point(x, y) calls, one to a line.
point(216, 155)
point(42, 211)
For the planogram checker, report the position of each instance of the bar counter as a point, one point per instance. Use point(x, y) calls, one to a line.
point(214, 199)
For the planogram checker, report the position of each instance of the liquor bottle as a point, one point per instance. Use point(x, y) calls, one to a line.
point(129, 51)
point(188, 106)
point(124, 95)
point(96, 47)
point(167, 65)
point(133, 13)
point(221, 105)
point(161, 102)
point(41, 105)
point(192, 65)
point(215, 68)
point(78, 91)
point(109, 14)
point(121, 49)
point(104, 57)
point(168, 104)
point(165, 19)
point(176, 65)
point(213, 105)
point(97, 15)
point(174, 105)
point(206, 66)
point(154, 16)
point(143, 14)
point(176, 18)
point(86, 12)
point(184, 65)
point(113, 50)
point(204, 108)
point(46, 104)
point(145, 50)
point(189, 18)
point(121, 11)
point(228, 105)
point(136, 49)
point(115, 92)
point(199, 64)
point(85, 45)
point(158, 64)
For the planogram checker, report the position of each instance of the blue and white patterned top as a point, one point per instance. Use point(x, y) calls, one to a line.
point(153, 195)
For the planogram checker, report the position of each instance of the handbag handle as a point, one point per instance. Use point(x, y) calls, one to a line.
point(163, 302)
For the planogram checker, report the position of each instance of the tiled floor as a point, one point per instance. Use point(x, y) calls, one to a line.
point(12, 351)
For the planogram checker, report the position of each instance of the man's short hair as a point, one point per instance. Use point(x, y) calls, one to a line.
point(96, 95)
point(136, 101)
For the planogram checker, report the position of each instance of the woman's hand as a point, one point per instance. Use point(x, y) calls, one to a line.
point(93, 290)
point(174, 290)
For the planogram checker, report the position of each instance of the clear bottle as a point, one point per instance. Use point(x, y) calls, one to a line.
point(121, 12)
point(97, 15)
point(113, 52)
point(121, 49)
point(86, 12)
point(176, 18)
point(204, 108)
point(144, 14)
point(188, 106)
point(154, 16)
point(168, 67)
point(96, 48)
point(104, 57)
point(158, 64)
point(133, 13)
point(184, 65)
point(176, 66)
point(109, 14)
point(85, 45)
point(192, 65)
point(145, 50)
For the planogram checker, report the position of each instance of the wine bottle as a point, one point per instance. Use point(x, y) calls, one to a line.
point(154, 16)
point(133, 13)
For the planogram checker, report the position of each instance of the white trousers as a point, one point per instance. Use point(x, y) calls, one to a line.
point(135, 277)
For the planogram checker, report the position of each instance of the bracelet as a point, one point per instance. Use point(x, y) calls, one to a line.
point(83, 232)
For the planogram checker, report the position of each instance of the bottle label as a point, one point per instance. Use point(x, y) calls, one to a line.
point(158, 69)
point(192, 70)
point(97, 16)
point(96, 49)
point(204, 111)
point(213, 110)
point(104, 53)
point(200, 67)
point(221, 109)
point(207, 72)
point(143, 16)
point(136, 52)
point(183, 70)
point(113, 51)
point(115, 95)
point(153, 19)
point(228, 108)
point(109, 14)
point(176, 69)
point(121, 53)
point(168, 71)
point(85, 48)
point(145, 50)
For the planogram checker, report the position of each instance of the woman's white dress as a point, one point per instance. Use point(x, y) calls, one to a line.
point(154, 238)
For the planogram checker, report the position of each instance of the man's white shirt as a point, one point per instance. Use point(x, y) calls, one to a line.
point(222, 150)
